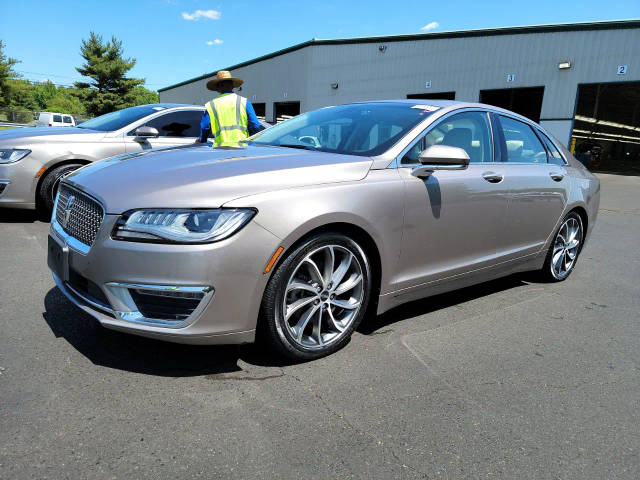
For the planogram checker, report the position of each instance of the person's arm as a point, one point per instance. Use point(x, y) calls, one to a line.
point(205, 127)
point(254, 124)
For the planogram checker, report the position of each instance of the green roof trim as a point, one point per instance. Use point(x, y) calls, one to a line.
point(486, 32)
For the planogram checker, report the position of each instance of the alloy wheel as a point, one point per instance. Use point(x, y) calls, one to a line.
point(323, 296)
point(566, 247)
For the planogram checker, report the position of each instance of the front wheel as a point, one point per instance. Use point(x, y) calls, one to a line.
point(564, 250)
point(317, 297)
point(49, 185)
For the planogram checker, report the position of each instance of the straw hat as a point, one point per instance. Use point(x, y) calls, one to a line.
point(221, 76)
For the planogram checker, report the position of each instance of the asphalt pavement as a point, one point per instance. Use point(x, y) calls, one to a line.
point(508, 379)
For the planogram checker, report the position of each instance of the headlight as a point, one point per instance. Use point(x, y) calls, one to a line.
point(181, 225)
point(11, 155)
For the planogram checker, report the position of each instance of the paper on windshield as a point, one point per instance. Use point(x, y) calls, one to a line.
point(428, 108)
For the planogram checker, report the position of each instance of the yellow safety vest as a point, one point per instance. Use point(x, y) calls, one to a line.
point(228, 115)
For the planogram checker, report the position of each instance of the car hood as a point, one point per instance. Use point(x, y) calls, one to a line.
point(201, 176)
point(44, 133)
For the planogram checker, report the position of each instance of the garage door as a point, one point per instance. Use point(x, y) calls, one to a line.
point(606, 128)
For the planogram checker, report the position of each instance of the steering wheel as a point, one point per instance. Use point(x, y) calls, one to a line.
point(309, 140)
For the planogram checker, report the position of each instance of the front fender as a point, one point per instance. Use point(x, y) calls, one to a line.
point(375, 205)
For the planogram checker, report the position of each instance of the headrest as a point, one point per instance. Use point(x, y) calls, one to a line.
point(514, 145)
point(458, 137)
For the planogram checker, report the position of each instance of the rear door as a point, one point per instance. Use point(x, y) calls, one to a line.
point(176, 127)
point(538, 188)
point(454, 220)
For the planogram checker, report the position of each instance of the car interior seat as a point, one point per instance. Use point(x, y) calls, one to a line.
point(514, 149)
point(461, 138)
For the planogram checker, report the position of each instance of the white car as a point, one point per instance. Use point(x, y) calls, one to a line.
point(49, 119)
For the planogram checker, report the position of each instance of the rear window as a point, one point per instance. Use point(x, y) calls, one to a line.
point(523, 145)
point(57, 118)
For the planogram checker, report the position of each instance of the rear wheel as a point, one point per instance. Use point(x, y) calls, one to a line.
point(49, 185)
point(564, 250)
point(317, 297)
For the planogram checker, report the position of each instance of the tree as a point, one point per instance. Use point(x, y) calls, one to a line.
point(65, 102)
point(20, 95)
point(143, 96)
point(43, 93)
point(6, 75)
point(109, 89)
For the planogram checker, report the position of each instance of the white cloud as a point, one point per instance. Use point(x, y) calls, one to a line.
point(198, 14)
point(430, 26)
point(217, 41)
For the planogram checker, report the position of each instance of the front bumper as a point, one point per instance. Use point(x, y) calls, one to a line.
point(227, 274)
point(21, 181)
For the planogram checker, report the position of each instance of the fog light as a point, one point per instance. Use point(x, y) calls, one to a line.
point(165, 305)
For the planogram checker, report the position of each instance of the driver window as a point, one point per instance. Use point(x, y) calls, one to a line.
point(185, 123)
point(469, 131)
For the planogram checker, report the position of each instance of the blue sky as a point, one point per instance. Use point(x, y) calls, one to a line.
point(174, 40)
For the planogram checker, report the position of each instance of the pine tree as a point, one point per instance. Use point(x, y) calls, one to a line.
point(109, 89)
point(6, 75)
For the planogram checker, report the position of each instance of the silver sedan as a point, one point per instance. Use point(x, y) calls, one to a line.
point(301, 231)
point(33, 160)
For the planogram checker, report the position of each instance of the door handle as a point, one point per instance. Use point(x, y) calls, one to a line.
point(556, 176)
point(492, 177)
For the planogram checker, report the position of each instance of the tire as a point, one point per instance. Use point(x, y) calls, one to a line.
point(564, 249)
point(49, 185)
point(306, 311)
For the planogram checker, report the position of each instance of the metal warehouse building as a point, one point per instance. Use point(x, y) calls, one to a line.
point(581, 81)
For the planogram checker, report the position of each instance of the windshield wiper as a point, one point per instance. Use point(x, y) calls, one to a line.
point(296, 145)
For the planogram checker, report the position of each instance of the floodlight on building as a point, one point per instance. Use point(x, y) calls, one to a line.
point(334, 86)
point(564, 65)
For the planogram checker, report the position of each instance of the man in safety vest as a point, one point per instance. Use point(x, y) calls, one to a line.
point(230, 117)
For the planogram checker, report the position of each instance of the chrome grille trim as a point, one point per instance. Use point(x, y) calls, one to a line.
point(126, 309)
point(82, 220)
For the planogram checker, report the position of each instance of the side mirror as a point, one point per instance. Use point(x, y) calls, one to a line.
point(142, 133)
point(440, 157)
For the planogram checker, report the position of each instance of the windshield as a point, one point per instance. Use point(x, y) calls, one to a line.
point(366, 129)
point(116, 120)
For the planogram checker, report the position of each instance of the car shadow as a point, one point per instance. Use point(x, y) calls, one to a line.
point(435, 195)
point(122, 351)
point(19, 215)
point(438, 302)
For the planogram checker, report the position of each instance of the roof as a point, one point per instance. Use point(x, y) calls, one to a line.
point(453, 104)
point(170, 105)
point(486, 32)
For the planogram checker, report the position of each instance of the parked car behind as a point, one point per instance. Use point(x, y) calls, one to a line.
point(305, 226)
point(33, 159)
point(49, 119)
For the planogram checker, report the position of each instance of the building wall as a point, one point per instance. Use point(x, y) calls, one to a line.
point(264, 82)
point(465, 65)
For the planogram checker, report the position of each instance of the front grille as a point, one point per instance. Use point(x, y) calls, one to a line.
point(3, 185)
point(165, 305)
point(82, 218)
